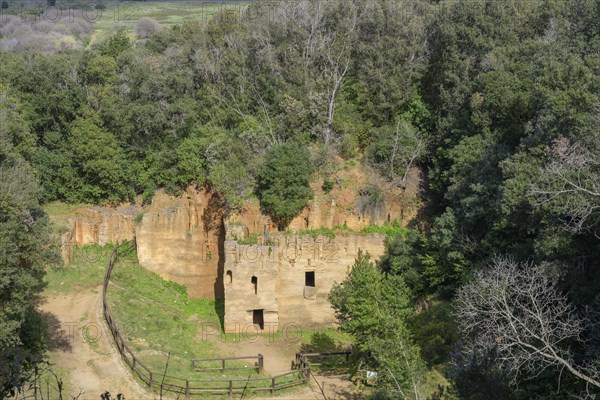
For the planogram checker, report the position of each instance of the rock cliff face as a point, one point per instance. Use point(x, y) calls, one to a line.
point(282, 283)
point(179, 239)
point(98, 225)
point(341, 207)
point(183, 239)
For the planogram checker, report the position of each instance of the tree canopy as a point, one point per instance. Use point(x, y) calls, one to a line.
point(283, 183)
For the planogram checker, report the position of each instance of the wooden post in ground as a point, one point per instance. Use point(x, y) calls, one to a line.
point(272, 385)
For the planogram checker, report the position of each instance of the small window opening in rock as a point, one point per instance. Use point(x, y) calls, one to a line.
point(254, 282)
point(229, 277)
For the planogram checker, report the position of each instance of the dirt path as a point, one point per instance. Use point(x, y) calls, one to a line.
point(82, 347)
point(335, 388)
point(278, 354)
point(92, 40)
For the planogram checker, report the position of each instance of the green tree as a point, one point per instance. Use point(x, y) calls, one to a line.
point(283, 183)
point(389, 56)
point(99, 163)
point(116, 44)
point(374, 308)
point(15, 131)
point(26, 249)
point(102, 70)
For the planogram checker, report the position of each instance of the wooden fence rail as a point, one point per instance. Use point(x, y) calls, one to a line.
point(302, 358)
point(197, 362)
point(188, 387)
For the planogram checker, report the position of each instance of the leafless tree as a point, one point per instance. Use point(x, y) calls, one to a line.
point(147, 27)
point(404, 147)
point(338, 44)
point(322, 47)
point(571, 182)
point(44, 36)
point(518, 310)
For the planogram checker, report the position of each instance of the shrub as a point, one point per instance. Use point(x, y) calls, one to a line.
point(327, 185)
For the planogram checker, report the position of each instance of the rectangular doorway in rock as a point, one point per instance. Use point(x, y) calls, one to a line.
point(309, 278)
point(258, 318)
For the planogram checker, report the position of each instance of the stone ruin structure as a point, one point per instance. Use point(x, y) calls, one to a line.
point(282, 283)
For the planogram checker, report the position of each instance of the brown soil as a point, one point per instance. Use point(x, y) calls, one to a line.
point(82, 347)
point(278, 356)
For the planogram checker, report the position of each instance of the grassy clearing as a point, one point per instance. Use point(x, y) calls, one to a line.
point(59, 209)
point(325, 232)
point(60, 213)
point(85, 270)
point(434, 380)
point(125, 15)
point(391, 230)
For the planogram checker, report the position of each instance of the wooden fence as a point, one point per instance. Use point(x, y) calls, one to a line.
point(302, 358)
point(167, 383)
point(197, 362)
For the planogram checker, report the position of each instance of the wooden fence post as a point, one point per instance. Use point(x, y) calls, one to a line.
point(187, 389)
point(230, 392)
point(273, 385)
point(150, 383)
point(223, 365)
point(260, 363)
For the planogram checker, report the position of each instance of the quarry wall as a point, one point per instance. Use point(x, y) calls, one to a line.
point(178, 238)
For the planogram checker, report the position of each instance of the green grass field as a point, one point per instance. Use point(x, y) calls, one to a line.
point(126, 15)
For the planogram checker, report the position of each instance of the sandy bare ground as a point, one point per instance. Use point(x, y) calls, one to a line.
point(278, 356)
point(83, 347)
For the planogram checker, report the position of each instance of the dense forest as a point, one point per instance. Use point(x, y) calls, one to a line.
point(496, 102)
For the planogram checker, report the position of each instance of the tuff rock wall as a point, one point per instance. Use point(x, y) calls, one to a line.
point(183, 239)
point(271, 277)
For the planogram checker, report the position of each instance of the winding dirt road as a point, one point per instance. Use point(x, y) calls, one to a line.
point(82, 347)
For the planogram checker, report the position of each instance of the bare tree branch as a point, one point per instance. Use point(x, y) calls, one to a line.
point(571, 183)
point(518, 309)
